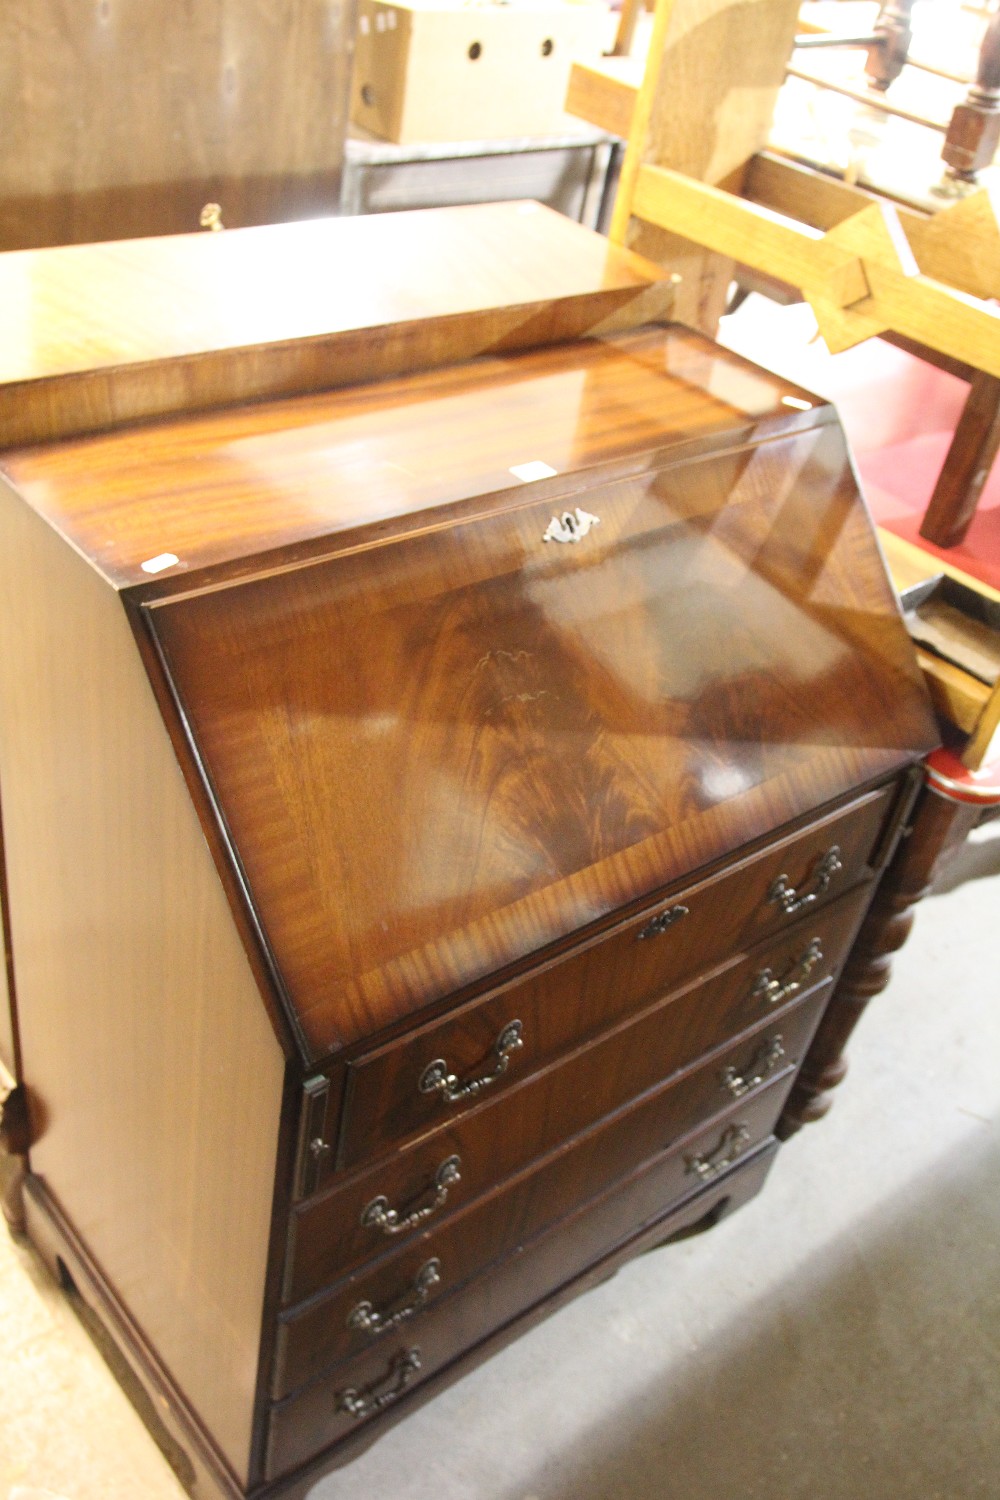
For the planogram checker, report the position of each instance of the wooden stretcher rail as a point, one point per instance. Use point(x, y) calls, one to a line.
point(867, 251)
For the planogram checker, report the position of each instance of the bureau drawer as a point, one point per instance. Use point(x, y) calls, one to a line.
point(318, 1416)
point(418, 1185)
point(402, 1285)
point(404, 1086)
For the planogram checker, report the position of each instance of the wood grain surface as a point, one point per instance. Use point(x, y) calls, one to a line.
point(124, 117)
point(303, 1424)
point(223, 488)
point(445, 752)
point(97, 336)
point(505, 1131)
point(321, 1334)
point(604, 92)
point(154, 1076)
point(564, 1002)
point(712, 78)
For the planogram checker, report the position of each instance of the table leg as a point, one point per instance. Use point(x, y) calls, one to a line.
point(967, 465)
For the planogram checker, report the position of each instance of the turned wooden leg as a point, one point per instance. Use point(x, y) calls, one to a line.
point(939, 824)
point(974, 130)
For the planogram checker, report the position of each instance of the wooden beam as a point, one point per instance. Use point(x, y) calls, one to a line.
point(809, 194)
point(713, 73)
point(795, 253)
point(869, 248)
point(958, 697)
point(604, 93)
point(960, 244)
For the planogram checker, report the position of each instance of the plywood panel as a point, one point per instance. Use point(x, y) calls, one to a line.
point(155, 1076)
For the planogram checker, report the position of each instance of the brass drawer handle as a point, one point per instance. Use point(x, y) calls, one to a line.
point(373, 1321)
point(378, 1215)
point(732, 1145)
point(436, 1078)
point(789, 899)
point(661, 922)
point(760, 1066)
point(371, 1398)
point(777, 988)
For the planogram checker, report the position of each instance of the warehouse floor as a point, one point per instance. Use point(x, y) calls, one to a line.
point(838, 1338)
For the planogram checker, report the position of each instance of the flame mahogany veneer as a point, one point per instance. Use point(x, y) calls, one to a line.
point(413, 918)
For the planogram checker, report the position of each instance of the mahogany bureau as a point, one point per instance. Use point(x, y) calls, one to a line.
point(436, 813)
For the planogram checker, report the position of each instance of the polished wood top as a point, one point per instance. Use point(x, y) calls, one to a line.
point(437, 743)
point(223, 488)
point(96, 336)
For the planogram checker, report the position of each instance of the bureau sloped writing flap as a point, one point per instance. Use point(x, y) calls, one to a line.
point(436, 755)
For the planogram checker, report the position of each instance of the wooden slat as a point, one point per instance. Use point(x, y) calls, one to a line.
point(958, 697)
point(809, 195)
point(959, 245)
point(730, 226)
point(910, 564)
point(870, 98)
point(936, 315)
point(827, 268)
point(604, 93)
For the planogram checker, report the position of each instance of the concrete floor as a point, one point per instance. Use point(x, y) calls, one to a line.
point(838, 1339)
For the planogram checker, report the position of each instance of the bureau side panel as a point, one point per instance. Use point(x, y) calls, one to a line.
point(154, 1074)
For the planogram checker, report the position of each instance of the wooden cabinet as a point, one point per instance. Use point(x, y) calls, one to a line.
point(127, 117)
point(437, 813)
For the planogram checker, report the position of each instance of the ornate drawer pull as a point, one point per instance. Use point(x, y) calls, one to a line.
point(777, 988)
point(661, 922)
point(365, 1402)
point(760, 1066)
point(436, 1079)
point(732, 1146)
point(373, 1321)
point(378, 1215)
point(788, 898)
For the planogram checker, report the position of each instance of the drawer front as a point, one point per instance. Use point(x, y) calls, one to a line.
point(440, 1070)
point(419, 1185)
point(333, 1406)
point(378, 1299)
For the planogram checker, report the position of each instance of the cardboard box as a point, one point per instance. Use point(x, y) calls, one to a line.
point(426, 70)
